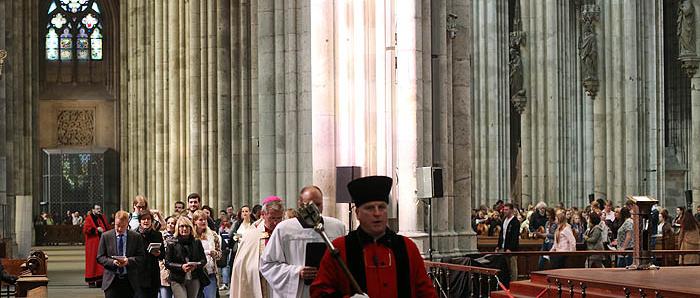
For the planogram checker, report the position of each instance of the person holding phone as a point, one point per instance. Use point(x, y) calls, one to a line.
point(185, 258)
point(120, 252)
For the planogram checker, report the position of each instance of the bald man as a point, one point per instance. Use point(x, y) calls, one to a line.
point(283, 260)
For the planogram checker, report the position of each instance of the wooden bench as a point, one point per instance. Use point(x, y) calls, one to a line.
point(32, 280)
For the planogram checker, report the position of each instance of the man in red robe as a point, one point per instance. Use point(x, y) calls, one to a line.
point(383, 263)
point(95, 225)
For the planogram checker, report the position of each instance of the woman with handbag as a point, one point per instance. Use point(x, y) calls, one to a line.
point(185, 259)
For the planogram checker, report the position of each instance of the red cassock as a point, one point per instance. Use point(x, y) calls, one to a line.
point(385, 274)
point(93, 270)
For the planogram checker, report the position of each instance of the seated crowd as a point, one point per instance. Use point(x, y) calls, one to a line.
point(598, 226)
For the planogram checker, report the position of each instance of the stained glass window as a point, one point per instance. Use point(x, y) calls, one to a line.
point(74, 30)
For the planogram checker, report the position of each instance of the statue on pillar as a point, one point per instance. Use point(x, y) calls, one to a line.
point(589, 49)
point(686, 28)
point(515, 63)
point(516, 68)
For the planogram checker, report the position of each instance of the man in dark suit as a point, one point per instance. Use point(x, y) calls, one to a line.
point(509, 238)
point(120, 277)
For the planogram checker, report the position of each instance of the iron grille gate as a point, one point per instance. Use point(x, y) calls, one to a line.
point(76, 179)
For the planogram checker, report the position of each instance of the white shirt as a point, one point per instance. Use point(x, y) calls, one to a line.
point(608, 215)
point(505, 228)
point(285, 254)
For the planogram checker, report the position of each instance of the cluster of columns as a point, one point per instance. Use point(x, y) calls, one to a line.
point(186, 102)
point(18, 106)
point(238, 100)
point(576, 139)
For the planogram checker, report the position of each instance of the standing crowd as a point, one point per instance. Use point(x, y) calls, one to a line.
point(598, 226)
point(263, 251)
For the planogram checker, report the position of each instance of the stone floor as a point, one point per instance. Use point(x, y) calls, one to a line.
point(66, 266)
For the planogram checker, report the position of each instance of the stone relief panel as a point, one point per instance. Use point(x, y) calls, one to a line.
point(76, 127)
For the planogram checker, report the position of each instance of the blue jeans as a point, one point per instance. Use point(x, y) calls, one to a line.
point(226, 275)
point(546, 246)
point(624, 261)
point(165, 292)
point(212, 288)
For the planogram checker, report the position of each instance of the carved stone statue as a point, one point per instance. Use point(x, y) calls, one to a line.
point(686, 28)
point(516, 67)
point(589, 48)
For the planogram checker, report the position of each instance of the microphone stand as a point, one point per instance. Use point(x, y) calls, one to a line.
point(310, 217)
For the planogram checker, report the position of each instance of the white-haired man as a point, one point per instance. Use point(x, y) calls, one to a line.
point(245, 272)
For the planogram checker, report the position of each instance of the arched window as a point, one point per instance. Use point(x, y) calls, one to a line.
point(74, 31)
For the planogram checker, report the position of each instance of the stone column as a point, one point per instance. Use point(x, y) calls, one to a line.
point(194, 98)
point(223, 68)
point(695, 139)
point(629, 88)
point(689, 29)
point(23, 225)
point(323, 113)
point(174, 62)
point(462, 126)
point(553, 121)
point(491, 103)
point(266, 97)
point(409, 92)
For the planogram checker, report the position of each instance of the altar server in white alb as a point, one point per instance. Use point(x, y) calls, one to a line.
point(284, 258)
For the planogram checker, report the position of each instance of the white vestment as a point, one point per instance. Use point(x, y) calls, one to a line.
point(285, 255)
point(245, 271)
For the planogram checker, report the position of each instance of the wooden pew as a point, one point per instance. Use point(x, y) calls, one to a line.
point(32, 280)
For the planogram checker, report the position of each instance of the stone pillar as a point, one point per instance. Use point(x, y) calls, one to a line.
point(462, 126)
point(689, 37)
point(223, 69)
point(695, 139)
point(323, 145)
point(491, 103)
point(194, 97)
point(23, 225)
point(409, 91)
point(553, 121)
point(630, 90)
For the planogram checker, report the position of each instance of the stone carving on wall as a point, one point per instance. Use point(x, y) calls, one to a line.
point(685, 29)
point(3, 55)
point(517, 40)
point(76, 127)
point(589, 48)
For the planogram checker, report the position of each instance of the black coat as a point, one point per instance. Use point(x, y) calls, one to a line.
point(179, 253)
point(512, 235)
point(149, 269)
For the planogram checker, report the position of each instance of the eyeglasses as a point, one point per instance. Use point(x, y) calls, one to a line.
point(140, 206)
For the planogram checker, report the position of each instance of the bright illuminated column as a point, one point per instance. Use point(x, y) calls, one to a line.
point(408, 90)
point(322, 95)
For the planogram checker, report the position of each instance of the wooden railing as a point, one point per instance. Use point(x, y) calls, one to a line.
point(454, 280)
point(577, 259)
point(59, 234)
